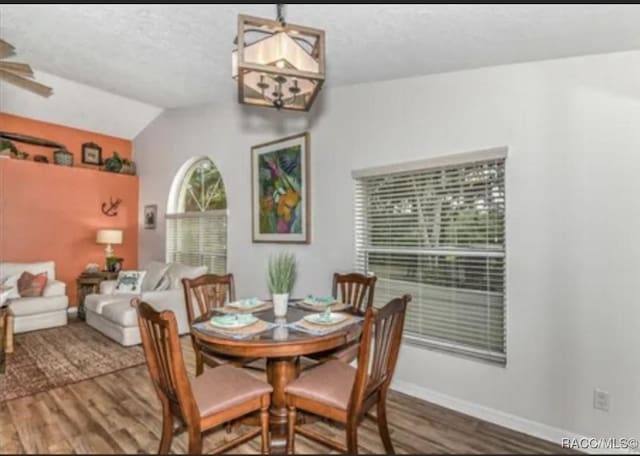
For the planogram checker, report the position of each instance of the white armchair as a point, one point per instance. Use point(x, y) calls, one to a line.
point(111, 313)
point(107, 287)
point(46, 311)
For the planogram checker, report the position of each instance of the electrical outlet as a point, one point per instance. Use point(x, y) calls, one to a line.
point(601, 400)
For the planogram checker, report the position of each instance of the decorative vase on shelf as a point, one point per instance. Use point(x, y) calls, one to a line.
point(63, 157)
point(280, 304)
point(281, 276)
point(128, 167)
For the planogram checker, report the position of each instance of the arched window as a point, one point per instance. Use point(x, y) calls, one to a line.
point(197, 217)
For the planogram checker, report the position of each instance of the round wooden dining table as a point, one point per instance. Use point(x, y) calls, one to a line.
point(281, 347)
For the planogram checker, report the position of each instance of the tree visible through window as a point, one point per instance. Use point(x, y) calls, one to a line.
point(197, 218)
point(439, 234)
point(204, 190)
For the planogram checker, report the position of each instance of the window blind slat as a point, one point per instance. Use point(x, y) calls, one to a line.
point(439, 234)
point(197, 239)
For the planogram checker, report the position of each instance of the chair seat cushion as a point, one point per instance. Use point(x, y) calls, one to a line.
point(348, 353)
point(34, 306)
point(329, 383)
point(97, 302)
point(223, 387)
point(121, 313)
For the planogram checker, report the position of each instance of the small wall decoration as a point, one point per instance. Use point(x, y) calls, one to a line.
point(280, 190)
point(63, 157)
point(110, 209)
point(150, 215)
point(113, 164)
point(128, 167)
point(91, 154)
point(92, 268)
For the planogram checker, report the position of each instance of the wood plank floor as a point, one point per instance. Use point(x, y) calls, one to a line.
point(119, 413)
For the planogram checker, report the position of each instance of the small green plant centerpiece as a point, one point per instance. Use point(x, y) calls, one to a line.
point(280, 277)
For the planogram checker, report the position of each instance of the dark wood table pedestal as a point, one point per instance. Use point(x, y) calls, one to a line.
point(280, 372)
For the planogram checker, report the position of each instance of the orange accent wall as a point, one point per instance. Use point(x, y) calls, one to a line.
point(51, 212)
point(71, 138)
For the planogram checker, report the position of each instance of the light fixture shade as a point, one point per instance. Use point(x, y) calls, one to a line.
point(109, 237)
point(276, 65)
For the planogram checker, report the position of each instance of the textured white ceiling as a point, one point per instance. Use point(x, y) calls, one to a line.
point(179, 55)
point(79, 106)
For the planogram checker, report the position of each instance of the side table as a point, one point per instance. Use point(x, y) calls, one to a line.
point(6, 336)
point(90, 283)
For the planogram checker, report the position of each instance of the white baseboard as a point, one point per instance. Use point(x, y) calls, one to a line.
point(72, 311)
point(516, 423)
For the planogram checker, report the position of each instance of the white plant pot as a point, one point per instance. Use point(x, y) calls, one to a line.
point(280, 302)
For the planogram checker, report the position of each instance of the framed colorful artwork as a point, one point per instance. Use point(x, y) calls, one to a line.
point(280, 190)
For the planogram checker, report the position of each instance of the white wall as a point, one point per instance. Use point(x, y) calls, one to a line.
point(80, 106)
point(573, 218)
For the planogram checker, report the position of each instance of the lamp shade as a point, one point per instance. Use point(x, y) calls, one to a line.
point(109, 237)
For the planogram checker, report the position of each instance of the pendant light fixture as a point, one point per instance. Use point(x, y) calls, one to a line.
point(277, 64)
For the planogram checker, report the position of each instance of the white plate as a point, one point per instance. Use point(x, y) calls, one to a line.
point(246, 303)
point(319, 301)
point(320, 319)
point(233, 321)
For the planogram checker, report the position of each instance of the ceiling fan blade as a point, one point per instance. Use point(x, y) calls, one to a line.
point(24, 83)
point(19, 68)
point(6, 49)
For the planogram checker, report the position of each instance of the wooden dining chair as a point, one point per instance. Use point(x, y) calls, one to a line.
point(357, 290)
point(208, 292)
point(218, 396)
point(339, 392)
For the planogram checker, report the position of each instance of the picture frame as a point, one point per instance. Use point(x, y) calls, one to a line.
point(150, 216)
point(280, 191)
point(91, 154)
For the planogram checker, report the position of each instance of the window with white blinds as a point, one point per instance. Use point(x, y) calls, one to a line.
point(436, 230)
point(198, 239)
point(197, 218)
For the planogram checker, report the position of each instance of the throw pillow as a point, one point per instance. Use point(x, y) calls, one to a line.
point(31, 285)
point(178, 271)
point(11, 282)
point(129, 282)
point(155, 273)
point(165, 283)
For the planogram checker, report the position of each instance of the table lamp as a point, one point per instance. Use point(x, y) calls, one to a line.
point(109, 237)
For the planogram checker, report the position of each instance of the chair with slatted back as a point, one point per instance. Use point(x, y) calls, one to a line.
point(218, 396)
point(357, 290)
point(339, 392)
point(207, 292)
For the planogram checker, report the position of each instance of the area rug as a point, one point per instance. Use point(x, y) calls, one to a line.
point(50, 358)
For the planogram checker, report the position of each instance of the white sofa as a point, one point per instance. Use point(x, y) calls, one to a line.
point(113, 315)
point(46, 311)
